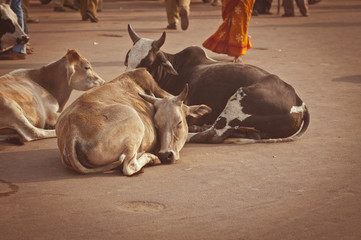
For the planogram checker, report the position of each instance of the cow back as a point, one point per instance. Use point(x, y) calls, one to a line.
point(31, 97)
point(93, 109)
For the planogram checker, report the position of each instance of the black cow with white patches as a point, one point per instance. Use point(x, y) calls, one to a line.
point(10, 31)
point(246, 101)
point(250, 114)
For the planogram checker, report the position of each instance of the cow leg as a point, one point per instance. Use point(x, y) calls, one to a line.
point(246, 132)
point(136, 163)
point(16, 120)
point(211, 135)
point(196, 128)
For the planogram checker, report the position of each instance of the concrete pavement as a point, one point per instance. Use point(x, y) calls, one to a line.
point(308, 189)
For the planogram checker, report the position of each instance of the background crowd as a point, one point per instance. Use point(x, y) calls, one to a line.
point(231, 38)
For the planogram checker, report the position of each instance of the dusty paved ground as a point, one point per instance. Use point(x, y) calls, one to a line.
point(309, 189)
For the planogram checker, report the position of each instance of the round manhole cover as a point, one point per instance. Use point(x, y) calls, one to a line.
point(141, 206)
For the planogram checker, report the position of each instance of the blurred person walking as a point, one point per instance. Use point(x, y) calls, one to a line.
point(177, 9)
point(232, 38)
point(262, 7)
point(60, 4)
point(88, 10)
point(289, 9)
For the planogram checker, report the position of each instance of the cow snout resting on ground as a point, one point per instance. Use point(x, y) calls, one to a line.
point(31, 99)
point(242, 96)
point(10, 31)
point(119, 123)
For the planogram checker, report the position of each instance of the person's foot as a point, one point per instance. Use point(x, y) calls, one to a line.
point(59, 9)
point(304, 14)
point(91, 16)
point(216, 3)
point(184, 19)
point(172, 26)
point(237, 59)
point(32, 20)
point(288, 15)
point(12, 55)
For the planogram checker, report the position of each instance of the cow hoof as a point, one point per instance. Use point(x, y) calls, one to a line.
point(18, 140)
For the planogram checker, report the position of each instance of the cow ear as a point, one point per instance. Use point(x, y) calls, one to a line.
point(198, 111)
point(69, 72)
point(148, 98)
point(169, 68)
point(126, 59)
point(166, 64)
point(72, 55)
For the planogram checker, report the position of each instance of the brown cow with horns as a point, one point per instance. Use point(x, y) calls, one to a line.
point(120, 124)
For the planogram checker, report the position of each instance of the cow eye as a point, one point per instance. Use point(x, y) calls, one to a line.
point(87, 67)
point(180, 123)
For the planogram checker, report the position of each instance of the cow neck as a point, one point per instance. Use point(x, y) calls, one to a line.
point(53, 78)
point(157, 70)
point(164, 79)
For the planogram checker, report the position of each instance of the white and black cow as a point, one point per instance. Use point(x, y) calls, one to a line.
point(10, 31)
point(257, 100)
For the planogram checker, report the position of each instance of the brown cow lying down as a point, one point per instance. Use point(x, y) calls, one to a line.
point(119, 124)
point(31, 99)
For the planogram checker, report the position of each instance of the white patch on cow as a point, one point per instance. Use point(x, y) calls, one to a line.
point(298, 109)
point(9, 39)
point(221, 131)
point(233, 110)
point(138, 52)
point(7, 13)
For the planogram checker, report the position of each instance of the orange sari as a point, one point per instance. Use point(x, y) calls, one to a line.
point(231, 37)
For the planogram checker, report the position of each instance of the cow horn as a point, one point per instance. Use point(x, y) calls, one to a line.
point(182, 96)
point(159, 43)
point(133, 35)
point(148, 98)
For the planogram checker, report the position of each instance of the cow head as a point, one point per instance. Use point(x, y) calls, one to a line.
point(170, 121)
point(10, 31)
point(80, 73)
point(145, 51)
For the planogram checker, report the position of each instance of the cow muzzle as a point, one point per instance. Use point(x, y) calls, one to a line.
point(23, 40)
point(167, 157)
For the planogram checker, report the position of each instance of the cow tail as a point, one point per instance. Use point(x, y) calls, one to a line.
point(72, 160)
point(242, 141)
point(306, 122)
